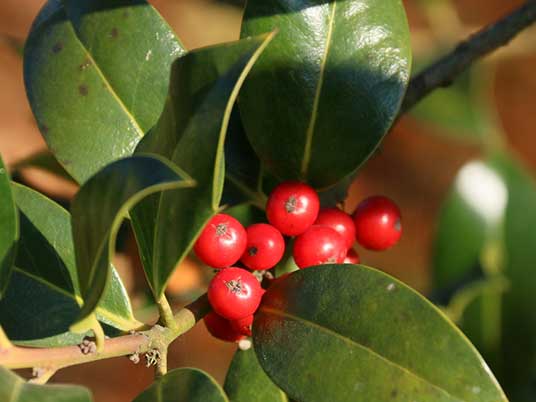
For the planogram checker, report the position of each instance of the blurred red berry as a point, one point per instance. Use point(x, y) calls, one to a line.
point(221, 328)
point(319, 245)
point(340, 221)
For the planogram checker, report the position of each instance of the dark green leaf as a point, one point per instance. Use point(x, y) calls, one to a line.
point(356, 334)
point(43, 298)
point(246, 381)
point(326, 91)
point(96, 74)
point(101, 205)
point(9, 229)
point(15, 389)
point(184, 385)
point(191, 131)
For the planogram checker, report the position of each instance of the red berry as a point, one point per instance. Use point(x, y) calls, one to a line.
point(377, 223)
point(234, 293)
point(265, 247)
point(243, 325)
point(340, 221)
point(292, 207)
point(221, 328)
point(222, 241)
point(352, 257)
point(319, 245)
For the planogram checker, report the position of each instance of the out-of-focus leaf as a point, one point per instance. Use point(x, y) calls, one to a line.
point(15, 389)
point(99, 208)
point(356, 334)
point(191, 132)
point(43, 298)
point(9, 229)
point(44, 161)
point(184, 385)
point(96, 75)
point(246, 381)
point(325, 93)
point(488, 223)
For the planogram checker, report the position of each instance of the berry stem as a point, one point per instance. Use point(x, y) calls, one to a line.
point(166, 314)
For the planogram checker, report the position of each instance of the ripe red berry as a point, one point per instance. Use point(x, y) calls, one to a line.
point(234, 293)
point(243, 325)
point(265, 247)
point(292, 207)
point(377, 223)
point(222, 241)
point(340, 221)
point(352, 257)
point(221, 328)
point(319, 245)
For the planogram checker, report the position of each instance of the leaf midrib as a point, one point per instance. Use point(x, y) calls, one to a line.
point(314, 114)
point(346, 339)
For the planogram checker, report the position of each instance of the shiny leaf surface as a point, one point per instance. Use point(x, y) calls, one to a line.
point(246, 380)
point(191, 132)
point(326, 91)
point(9, 229)
point(96, 81)
point(184, 385)
point(43, 298)
point(15, 389)
point(354, 333)
point(101, 205)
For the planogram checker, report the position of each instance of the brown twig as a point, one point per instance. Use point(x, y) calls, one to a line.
point(443, 72)
point(155, 338)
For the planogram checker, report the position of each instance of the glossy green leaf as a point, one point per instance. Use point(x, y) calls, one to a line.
point(96, 75)
point(15, 389)
point(101, 205)
point(43, 298)
point(184, 385)
point(9, 229)
point(356, 334)
point(191, 132)
point(327, 90)
point(246, 380)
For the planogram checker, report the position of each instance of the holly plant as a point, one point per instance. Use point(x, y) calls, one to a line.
point(170, 141)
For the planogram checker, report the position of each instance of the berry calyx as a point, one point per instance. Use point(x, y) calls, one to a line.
point(234, 293)
point(292, 207)
point(352, 257)
point(319, 245)
point(265, 247)
point(378, 223)
point(221, 328)
point(243, 325)
point(340, 221)
point(222, 241)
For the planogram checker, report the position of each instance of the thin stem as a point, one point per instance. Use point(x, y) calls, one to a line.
point(166, 314)
point(140, 342)
point(443, 72)
point(42, 375)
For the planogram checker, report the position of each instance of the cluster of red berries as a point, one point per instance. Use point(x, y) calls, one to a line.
point(323, 236)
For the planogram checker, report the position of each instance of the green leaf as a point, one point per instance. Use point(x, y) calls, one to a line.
point(356, 334)
point(101, 205)
point(501, 323)
point(326, 91)
point(9, 229)
point(191, 132)
point(184, 385)
point(43, 298)
point(96, 75)
point(15, 389)
point(246, 380)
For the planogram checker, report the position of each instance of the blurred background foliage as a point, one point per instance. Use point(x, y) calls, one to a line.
point(461, 166)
